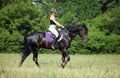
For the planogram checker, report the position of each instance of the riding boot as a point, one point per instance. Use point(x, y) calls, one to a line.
point(53, 43)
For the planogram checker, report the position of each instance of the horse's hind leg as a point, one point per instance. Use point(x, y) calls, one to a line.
point(35, 57)
point(24, 57)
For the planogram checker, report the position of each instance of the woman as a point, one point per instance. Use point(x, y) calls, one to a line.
point(53, 24)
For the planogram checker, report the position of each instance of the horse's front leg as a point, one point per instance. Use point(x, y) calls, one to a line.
point(65, 58)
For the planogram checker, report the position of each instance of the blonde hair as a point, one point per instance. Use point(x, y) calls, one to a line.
point(49, 15)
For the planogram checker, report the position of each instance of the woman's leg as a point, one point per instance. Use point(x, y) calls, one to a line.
point(54, 31)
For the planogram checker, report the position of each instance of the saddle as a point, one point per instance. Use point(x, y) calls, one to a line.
point(50, 36)
point(51, 40)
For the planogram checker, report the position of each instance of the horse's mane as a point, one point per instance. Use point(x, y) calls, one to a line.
point(76, 27)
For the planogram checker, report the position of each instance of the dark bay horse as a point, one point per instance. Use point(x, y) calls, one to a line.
point(36, 40)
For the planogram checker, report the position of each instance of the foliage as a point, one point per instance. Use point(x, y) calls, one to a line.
point(104, 32)
point(20, 17)
point(16, 20)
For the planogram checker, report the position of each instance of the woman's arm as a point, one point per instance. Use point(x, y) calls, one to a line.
point(53, 19)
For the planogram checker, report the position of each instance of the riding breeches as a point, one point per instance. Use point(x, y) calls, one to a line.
point(52, 29)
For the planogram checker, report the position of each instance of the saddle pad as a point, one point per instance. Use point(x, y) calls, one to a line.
point(49, 36)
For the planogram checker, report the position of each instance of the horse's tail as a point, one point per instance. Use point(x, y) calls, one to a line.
point(23, 43)
point(26, 49)
point(26, 44)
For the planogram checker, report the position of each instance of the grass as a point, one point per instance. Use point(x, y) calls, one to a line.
point(80, 66)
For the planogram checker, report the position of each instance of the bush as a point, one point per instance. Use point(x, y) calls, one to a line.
point(16, 20)
point(21, 17)
point(104, 33)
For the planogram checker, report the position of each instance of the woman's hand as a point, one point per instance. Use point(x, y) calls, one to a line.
point(62, 26)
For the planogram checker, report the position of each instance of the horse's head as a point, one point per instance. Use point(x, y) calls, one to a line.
point(78, 29)
point(83, 33)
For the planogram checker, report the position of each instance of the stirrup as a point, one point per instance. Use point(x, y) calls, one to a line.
point(53, 47)
point(53, 43)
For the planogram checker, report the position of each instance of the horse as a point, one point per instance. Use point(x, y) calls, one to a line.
point(36, 40)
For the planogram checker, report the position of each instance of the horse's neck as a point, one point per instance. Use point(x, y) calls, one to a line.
point(72, 35)
point(69, 33)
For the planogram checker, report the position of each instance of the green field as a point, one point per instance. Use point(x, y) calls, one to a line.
point(80, 66)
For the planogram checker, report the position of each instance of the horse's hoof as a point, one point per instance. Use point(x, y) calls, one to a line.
point(38, 66)
point(63, 65)
point(19, 65)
